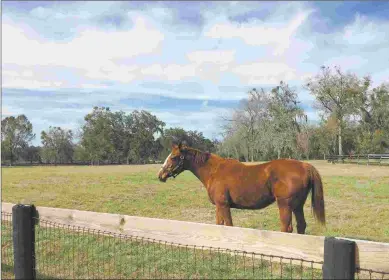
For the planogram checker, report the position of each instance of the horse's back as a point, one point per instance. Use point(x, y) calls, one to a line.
point(279, 177)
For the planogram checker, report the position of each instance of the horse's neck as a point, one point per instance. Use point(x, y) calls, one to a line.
point(203, 170)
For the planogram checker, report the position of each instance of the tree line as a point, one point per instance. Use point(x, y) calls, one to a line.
point(105, 137)
point(354, 118)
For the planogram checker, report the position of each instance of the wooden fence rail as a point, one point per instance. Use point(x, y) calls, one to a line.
point(368, 255)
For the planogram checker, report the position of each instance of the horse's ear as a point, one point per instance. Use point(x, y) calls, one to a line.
point(175, 142)
point(182, 146)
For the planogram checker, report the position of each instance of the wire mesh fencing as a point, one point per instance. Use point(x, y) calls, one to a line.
point(64, 251)
point(362, 273)
point(7, 257)
point(70, 252)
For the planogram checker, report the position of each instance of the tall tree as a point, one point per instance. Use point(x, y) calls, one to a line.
point(335, 94)
point(120, 136)
point(57, 145)
point(373, 132)
point(97, 134)
point(80, 154)
point(16, 133)
point(144, 127)
point(32, 154)
point(194, 139)
point(249, 121)
point(303, 138)
point(285, 117)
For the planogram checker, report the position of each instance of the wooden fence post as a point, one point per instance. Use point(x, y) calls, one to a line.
point(339, 258)
point(24, 241)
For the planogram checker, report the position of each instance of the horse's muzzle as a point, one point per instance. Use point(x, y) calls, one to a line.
point(163, 180)
point(161, 176)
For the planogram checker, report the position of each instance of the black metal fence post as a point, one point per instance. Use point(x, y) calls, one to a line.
point(24, 241)
point(339, 258)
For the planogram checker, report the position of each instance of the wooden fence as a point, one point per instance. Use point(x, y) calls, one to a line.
point(380, 159)
point(368, 254)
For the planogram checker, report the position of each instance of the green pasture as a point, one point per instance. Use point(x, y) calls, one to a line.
point(357, 203)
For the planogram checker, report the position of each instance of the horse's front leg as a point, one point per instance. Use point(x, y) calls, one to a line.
point(219, 218)
point(223, 215)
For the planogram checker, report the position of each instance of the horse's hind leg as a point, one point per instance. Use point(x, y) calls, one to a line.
point(285, 215)
point(301, 224)
point(298, 211)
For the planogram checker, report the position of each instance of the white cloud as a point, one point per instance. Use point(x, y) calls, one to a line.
point(170, 72)
point(160, 13)
point(217, 57)
point(92, 51)
point(350, 62)
point(257, 33)
point(206, 65)
point(364, 31)
point(40, 12)
point(264, 72)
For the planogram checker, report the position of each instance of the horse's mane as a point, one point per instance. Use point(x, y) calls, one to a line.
point(198, 156)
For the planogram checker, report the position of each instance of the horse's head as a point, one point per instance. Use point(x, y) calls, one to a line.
point(174, 163)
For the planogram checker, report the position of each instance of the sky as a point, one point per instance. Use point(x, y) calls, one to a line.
point(188, 63)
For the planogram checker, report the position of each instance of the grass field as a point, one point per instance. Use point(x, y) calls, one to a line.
point(356, 196)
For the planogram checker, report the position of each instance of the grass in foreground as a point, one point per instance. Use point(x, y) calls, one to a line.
point(356, 197)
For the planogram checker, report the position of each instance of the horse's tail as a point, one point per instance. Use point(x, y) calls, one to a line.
point(317, 195)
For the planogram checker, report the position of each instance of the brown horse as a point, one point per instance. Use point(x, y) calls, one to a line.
point(232, 184)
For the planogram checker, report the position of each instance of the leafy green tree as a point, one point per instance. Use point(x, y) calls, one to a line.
point(16, 133)
point(32, 154)
point(57, 145)
point(335, 95)
point(303, 139)
point(121, 136)
point(143, 128)
point(80, 154)
point(248, 125)
point(373, 130)
point(117, 137)
point(194, 139)
point(97, 134)
point(285, 115)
